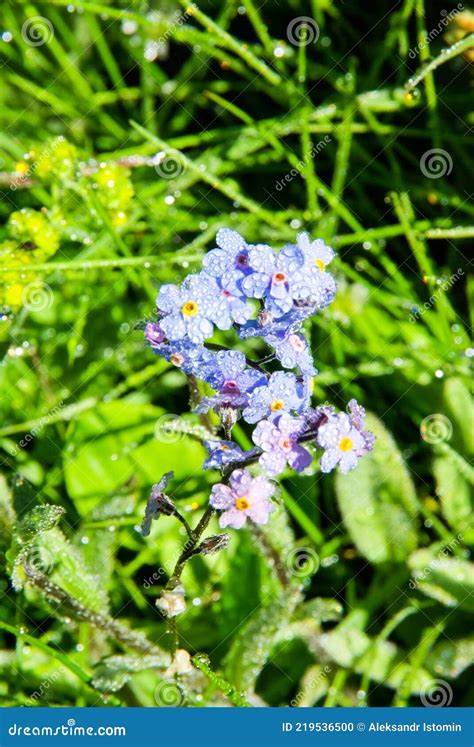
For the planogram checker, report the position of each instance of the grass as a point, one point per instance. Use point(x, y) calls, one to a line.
point(130, 136)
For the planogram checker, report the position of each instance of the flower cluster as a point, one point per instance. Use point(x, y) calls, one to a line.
point(258, 293)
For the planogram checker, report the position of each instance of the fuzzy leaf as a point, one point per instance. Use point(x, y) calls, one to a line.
point(65, 565)
point(253, 643)
point(25, 534)
point(454, 492)
point(446, 579)
point(115, 671)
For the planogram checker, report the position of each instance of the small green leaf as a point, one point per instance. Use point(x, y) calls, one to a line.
point(7, 513)
point(446, 579)
point(460, 409)
point(115, 671)
point(451, 658)
point(380, 660)
point(25, 534)
point(313, 686)
point(319, 610)
point(64, 564)
point(454, 492)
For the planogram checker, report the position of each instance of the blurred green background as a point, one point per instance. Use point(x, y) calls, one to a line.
point(130, 133)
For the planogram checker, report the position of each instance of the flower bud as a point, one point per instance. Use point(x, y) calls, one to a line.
point(171, 603)
point(158, 503)
point(213, 544)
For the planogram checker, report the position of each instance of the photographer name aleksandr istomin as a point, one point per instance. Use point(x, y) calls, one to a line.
point(413, 726)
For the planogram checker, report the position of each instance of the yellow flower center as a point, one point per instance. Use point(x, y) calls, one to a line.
point(190, 308)
point(345, 444)
point(277, 404)
point(319, 264)
point(22, 167)
point(242, 503)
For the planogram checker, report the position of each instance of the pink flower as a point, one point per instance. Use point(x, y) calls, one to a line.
point(244, 497)
point(279, 443)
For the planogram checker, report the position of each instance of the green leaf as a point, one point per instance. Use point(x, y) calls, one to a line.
point(378, 501)
point(454, 492)
point(460, 408)
point(319, 609)
point(446, 579)
point(25, 534)
point(451, 658)
point(65, 565)
point(7, 513)
point(380, 660)
point(116, 441)
point(313, 686)
point(115, 671)
point(253, 643)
